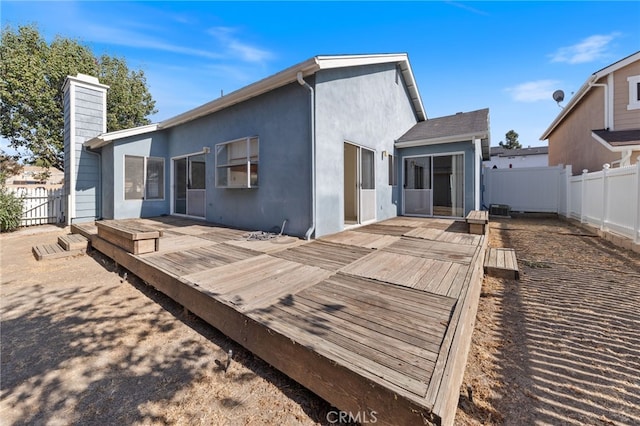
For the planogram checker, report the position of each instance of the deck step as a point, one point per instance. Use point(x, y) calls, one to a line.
point(501, 263)
point(86, 229)
point(73, 242)
point(52, 251)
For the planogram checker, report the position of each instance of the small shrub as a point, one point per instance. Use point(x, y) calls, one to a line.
point(10, 210)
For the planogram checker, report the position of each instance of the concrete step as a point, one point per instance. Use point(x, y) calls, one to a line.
point(501, 263)
point(52, 251)
point(73, 242)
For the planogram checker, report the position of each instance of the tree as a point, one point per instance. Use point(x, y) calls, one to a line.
point(10, 203)
point(512, 140)
point(32, 73)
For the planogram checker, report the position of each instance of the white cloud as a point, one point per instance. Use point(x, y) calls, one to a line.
point(533, 91)
point(121, 37)
point(246, 52)
point(590, 49)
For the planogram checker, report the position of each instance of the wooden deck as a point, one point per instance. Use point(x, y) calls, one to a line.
point(378, 318)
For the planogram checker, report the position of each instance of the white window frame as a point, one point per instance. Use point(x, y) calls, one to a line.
point(634, 102)
point(144, 178)
point(246, 161)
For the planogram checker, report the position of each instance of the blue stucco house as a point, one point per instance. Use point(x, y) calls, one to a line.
point(329, 143)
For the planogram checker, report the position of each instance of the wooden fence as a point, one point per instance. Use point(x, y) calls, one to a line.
point(41, 205)
point(608, 199)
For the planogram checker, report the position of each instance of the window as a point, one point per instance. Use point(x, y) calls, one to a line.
point(155, 178)
point(143, 178)
point(634, 92)
point(237, 163)
point(393, 171)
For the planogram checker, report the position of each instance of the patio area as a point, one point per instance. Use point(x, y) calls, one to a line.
point(374, 319)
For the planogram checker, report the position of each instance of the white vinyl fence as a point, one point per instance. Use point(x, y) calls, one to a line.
point(527, 189)
point(608, 199)
point(41, 205)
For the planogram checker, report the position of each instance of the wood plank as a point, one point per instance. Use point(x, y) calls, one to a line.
point(444, 388)
point(381, 228)
point(324, 254)
point(401, 269)
point(424, 306)
point(318, 300)
point(334, 345)
point(317, 364)
point(502, 263)
point(73, 242)
point(220, 234)
point(416, 358)
point(52, 251)
point(376, 348)
point(438, 250)
point(128, 231)
point(360, 239)
point(269, 246)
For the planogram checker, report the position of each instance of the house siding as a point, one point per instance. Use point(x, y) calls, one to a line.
point(467, 148)
point(368, 106)
point(89, 122)
point(571, 141)
point(86, 106)
point(625, 119)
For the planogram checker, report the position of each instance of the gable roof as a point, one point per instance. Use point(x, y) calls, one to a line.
point(584, 89)
point(282, 78)
point(308, 67)
point(458, 127)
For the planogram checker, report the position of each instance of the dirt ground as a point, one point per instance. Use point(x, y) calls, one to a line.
point(83, 343)
point(561, 346)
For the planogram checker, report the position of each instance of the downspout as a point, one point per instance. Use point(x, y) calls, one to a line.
point(606, 102)
point(478, 170)
point(312, 228)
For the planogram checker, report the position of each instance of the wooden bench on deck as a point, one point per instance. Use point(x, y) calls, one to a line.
point(477, 220)
point(134, 238)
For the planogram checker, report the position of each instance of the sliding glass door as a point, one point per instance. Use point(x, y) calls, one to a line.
point(189, 174)
point(434, 185)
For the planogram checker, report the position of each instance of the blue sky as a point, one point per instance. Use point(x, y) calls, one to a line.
point(507, 56)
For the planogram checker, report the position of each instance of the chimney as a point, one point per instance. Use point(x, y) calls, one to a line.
point(85, 116)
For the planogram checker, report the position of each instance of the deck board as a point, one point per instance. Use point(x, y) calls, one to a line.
point(324, 254)
point(376, 309)
point(361, 239)
point(439, 250)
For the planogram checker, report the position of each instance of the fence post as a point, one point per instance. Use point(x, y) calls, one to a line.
point(584, 194)
point(636, 227)
point(567, 194)
point(605, 196)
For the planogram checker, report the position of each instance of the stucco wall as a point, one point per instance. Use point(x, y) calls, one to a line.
point(146, 145)
point(366, 106)
point(281, 120)
point(571, 142)
point(466, 148)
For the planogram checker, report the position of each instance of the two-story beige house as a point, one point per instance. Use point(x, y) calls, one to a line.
point(601, 123)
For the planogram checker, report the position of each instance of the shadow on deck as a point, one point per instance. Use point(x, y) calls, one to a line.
point(376, 320)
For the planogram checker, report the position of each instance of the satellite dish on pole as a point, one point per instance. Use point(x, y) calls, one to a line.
point(558, 96)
